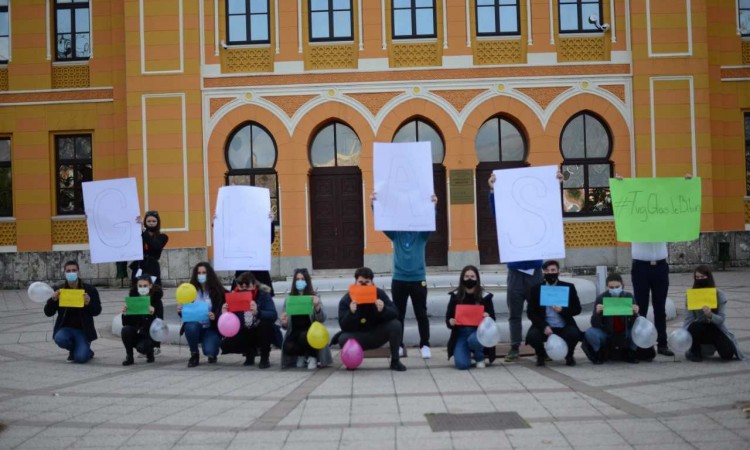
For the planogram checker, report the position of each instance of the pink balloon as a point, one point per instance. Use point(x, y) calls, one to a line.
point(352, 354)
point(229, 324)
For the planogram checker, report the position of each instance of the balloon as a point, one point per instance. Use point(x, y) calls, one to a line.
point(680, 340)
point(317, 336)
point(229, 324)
point(159, 330)
point(186, 293)
point(40, 292)
point(488, 334)
point(556, 347)
point(352, 354)
point(670, 309)
point(643, 333)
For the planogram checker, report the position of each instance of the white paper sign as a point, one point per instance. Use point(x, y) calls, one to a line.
point(111, 209)
point(242, 229)
point(528, 214)
point(403, 187)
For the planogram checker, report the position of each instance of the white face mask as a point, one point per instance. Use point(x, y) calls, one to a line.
point(143, 291)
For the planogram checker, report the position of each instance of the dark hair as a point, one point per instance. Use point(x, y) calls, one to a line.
point(247, 278)
point(461, 290)
point(213, 284)
point(550, 262)
point(71, 262)
point(308, 289)
point(704, 270)
point(155, 215)
point(155, 288)
point(615, 277)
point(364, 272)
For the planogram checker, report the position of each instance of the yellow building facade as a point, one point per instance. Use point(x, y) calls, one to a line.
point(191, 95)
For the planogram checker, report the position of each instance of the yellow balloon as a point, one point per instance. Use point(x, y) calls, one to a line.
point(317, 336)
point(186, 293)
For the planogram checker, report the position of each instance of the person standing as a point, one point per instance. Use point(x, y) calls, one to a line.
point(154, 242)
point(650, 276)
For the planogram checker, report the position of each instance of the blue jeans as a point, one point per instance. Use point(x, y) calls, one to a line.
point(597, 338)
point(208, 338)
point(75, 341)
point(466, 344)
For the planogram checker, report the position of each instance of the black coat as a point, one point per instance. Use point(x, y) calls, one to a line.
point(537, 313)
point(152, 248)
point(367, 317)
point(88, 312)
point(143, 323)
point(605, 322)
point(450, 313)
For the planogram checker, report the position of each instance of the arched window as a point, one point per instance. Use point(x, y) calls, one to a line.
point(420, 131)
point(335, 145)
point(250, 155)
point(586, 146)
point(500, 140)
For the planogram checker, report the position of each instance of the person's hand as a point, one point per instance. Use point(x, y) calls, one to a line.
point(379, 305)
point(224, 308)
point(618, 177)
point(284, 319)
point(599, 309)
point(253, 308)
point(707, 312)
point(124, 309)
point(86, 299)
point(688, 176)
point(138, 219)
point(270, 215)
point(211, 315)
point(316, 303)
point(560, 177)
point(179, 308)
point(491, 182)
point(557, 309)
point(434, 199)
point(373, 196)
point(452, 322)
point(547, 331)
point(353, 307)
point(152, 310)
point(56, 296)
point(636, 309)
point(486, 314)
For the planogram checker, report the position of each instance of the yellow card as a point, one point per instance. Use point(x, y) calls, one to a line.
point(698, 298)
point(71, 298)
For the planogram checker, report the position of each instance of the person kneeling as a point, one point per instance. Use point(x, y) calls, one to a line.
point(136, 328)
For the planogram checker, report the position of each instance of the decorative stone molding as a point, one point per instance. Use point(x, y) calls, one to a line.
point(459, 98)
point(746, 53)
point(244, 60)
point(73, 76)
point(374, 102)
point(489, 52)
point(7, 233)
point(543, 96)
point(290, 103)
point(3, 79)
point(330, 57)
point(571, 49)
point(590, 234)
point(418, 54)
point(69, 232)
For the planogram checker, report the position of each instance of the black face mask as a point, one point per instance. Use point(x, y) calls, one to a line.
point(703, 283)
point(470, 284)
point(153, 228)
point(551, 278)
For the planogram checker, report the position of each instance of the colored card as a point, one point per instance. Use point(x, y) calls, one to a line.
point(138, 306)
point(71, 298)
point(239, 301)
point(469, 315)
point(299, 305)
point(617, 306)
point(363, 294)
point(554, 296)
point(195, 312)
point(698, 298)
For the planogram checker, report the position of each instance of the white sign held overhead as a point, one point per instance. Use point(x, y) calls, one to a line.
point(404, 187)
point(242, 228)
point(111, 209)
point(528, 214)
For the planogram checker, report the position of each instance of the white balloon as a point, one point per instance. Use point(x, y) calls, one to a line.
point(670, 309)
point(488, 334)
point(159, 330)
point(556, 347)
point(680, 340)
point(643, 333)
point(40, 292)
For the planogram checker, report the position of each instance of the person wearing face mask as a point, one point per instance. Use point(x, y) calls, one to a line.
point(206, 332)
point(610, 331)
point(546, 320)
point(463, 340)
point(74, 328)
point(708, 326)
point(154, 242)
point(296, 351)
point(135, 329)
point(256, 326)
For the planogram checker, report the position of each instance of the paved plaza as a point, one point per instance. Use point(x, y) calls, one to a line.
point(46, 402)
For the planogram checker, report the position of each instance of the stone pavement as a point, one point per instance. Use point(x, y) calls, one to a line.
point(669, 403)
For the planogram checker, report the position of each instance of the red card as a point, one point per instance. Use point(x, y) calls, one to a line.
point(363, 294)
point(239, 301)
point(469, 315)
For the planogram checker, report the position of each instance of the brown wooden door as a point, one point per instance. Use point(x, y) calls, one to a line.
point(336, 221)
point(436, 252)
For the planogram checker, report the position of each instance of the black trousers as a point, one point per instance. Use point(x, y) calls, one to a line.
point(248, 341)
point(140, 341)
point(653, 279)
point(296, 344)
point(417, 290)
point(709, 334)
point(375, 337)
point(570, 334)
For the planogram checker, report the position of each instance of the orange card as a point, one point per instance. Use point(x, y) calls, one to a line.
point(469, 315)
point(239, 301)
point(363, 294)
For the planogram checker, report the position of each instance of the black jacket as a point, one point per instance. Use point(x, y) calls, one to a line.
point(143, 323)
point(605, 322)
point(367, 317)
point(88, 312)
point(537, 313)
point(152, 248)
point(450, 313)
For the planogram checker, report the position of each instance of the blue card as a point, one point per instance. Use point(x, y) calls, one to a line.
point(195, 312)
point(554, 296)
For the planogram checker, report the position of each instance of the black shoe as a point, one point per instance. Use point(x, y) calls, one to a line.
point(693, 356)
point(570, 361)
point(540, 361)
point(664, 351)
point(212, 360)
point(150, 357)
point(589, 352)
point(398, 366)
point(264, 364)
point(249, 361)
point(129, 361)
point(70, 356)
point(630, 357)
point(335, 339)
point(194, 360)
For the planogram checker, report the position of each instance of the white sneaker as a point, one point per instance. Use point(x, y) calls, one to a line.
point(401, 352)
point(312, 363)
point(481, 365)
point(300, 362)
point(426, 353)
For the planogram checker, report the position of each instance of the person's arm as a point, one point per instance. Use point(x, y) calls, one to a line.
point(266, 309)
point(690, 317)
point(348, 321)
point(95, 305)
point(157, 304)
point(320, 316)
point(155, 243)
point(534, 311)
point(390, 311)
point(574, 304)
point(596, 316)
point(491, 182)
point(450, 312)
point(717, 318)
point(52, 305)
point(489, 306)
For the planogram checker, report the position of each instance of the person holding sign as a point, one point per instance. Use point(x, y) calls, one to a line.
point(551, 313)
point(154, 242)
point(256, 322)
point(467, 306)
point(369, 317)
point(76, 304)
point(613, 317)
point(301, 309)
point(199, 326)
point(143, 305)
point(706, 322)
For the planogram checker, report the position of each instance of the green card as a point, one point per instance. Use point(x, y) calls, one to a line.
point(618, 306)
point(299, 305)
point(656, 209)
point(138, 306)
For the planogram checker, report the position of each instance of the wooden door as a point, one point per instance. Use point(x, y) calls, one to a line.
point(336, 221)
point(436, 253)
